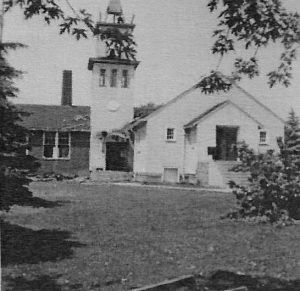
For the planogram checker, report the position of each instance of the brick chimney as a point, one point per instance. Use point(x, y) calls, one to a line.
point(66, 97)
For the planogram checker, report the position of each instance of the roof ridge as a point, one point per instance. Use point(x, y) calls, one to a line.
point(219, 106)
point(258, 101)
point(234, 83)
point(206, 112)
point(184, 93)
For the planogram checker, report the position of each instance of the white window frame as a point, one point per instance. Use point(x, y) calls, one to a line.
point(266, 139)
point(174, 134)
point(55, 155)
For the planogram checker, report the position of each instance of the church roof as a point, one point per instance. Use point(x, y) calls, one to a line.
point(55, 117)
point(195, 121)
point(114, 7)
point(196, 87)
point(59, 118)
point(215, 108)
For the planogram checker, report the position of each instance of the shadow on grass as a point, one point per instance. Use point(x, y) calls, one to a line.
point(21, 245)
point(43, 282)
point(222, 280)
point(37, 202)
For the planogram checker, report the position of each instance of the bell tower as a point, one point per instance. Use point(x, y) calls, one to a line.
point(112, 92)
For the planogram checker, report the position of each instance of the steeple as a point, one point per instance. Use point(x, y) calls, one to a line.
point(113, 71)
point(115, 34)
point(114, 7)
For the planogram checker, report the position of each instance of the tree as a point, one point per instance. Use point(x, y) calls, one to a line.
point(292, 133)
point(254, 25)
point(15, 165)
point(120, 44)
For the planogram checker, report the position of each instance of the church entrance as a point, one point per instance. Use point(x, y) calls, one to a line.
point(118, 156)
point(226, 143)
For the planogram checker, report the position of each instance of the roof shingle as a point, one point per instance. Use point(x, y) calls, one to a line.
point(55, 117)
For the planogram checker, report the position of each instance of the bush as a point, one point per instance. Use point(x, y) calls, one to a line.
point(273, 193)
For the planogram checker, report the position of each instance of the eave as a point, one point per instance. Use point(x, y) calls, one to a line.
point(105, 60)
point(216, 108)
point(58, 129)
point(117, 25)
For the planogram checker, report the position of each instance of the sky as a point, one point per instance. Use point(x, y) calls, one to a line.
point(174, 42)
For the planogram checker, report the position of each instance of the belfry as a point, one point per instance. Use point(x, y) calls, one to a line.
point(112, 102)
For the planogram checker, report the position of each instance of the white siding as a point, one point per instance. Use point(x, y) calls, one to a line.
point(227, 116)
point(140, 150)
point(162, 154)
point(191, 152)
point(103, 118)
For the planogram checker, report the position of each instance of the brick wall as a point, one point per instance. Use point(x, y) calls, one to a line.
point(78, 164)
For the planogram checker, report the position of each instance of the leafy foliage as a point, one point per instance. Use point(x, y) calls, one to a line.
point(145, 110)
point(119, 44)
point(248, 68)
point(255, 24)
point(15, 165)
point(214, 82)
point(80, 24)
point(292, 133)
point(273, 193)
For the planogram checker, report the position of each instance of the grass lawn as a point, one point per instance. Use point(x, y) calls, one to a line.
point(109, 237)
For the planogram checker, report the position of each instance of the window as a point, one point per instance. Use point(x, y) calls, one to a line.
point(170, 134)
point(124, 81)
point(113, 78)
point(63, 145)
point(102, 78)
point(56, 145)
point(262, 137)
point(25, 141)
point(49, 144)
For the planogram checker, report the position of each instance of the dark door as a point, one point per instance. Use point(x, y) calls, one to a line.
point(226, 143)
point(117, 156)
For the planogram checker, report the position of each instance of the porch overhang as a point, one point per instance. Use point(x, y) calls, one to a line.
point(134, 125)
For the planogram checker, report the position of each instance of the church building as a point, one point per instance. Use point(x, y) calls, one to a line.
point(192, 138)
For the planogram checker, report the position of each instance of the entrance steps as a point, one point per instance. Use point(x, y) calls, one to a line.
point(224, 167)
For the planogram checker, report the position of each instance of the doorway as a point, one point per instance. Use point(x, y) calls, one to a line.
point(117, 156)
point(226, 149)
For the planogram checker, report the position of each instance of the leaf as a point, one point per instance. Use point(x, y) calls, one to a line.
point(79, 33)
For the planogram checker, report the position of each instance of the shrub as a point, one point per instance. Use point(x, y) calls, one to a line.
point(273, 193)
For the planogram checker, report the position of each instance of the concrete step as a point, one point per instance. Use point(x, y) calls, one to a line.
point(225, 167)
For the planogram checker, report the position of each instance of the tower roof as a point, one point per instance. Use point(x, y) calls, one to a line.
point(114, 7)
